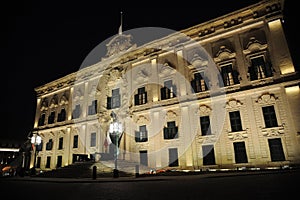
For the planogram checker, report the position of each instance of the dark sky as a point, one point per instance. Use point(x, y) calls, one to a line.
point(45, 40)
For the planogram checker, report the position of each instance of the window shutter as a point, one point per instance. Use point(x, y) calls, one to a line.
point(108, 103)
point(163, 93)
point(136, 99)
point(166, 131)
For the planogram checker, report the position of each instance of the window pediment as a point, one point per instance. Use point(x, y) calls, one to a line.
point(254, 46)
point(166, 69)
point(266, 98)
point(233, 103)
point(63, 100)
point(224, 54)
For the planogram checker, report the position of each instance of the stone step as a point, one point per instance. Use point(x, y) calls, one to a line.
point(103, 169)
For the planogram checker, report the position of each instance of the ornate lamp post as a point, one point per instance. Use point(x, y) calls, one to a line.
point(36, 140)
point(115, 130)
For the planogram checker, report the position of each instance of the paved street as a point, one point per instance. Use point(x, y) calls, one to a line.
point(228, 186)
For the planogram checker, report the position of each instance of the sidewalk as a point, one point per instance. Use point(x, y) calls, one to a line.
point(157, 177)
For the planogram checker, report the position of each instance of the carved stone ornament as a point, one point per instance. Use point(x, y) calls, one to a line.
point(210, 139)
point(44, 105)
point(118, 44)
point(266, 99)
point(233, 103)
point(53, 102)
point(254, 46)
point(142, 75)
point(275, 131)
point(171, 114)
point(240, 135)
point(166, 69)
point(63, 100)
point(142, 120)
point(198, 63)
point(203, 110)
point(78, 95)
point(224, 54)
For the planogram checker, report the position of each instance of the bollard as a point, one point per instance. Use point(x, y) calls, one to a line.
point(137, 173)
point(94, 172)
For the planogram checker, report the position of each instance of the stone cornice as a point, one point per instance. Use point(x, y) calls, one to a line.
point(262, 11)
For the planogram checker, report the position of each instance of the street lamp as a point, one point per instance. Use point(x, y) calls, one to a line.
point(36, 140)
point(115, 130)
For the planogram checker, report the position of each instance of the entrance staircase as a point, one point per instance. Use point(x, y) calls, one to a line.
point(103, 169)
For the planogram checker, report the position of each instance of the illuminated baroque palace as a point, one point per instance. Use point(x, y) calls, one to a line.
point(223, 94)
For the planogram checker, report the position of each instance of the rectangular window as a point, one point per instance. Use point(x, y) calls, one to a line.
point(198, 83)
point(92, 110)
point(205, 125)
point(60, 143)
point(114, 100)
point(168, 91)
point(48, 162)
point(42, 120)
point(227, 76)
point(173, 157)
point(49, 144)
point(59, 162)
point(141, 97)
point(270, 116)
point(240, 152)
point(259, 69)
point(144, 158)
point(75, 141)
point(51, 117)
point(38, 162)
point(142, 134)
point(76, 112)
point(62, 115)
point(93, 139)
point(208, 154)
point(171, 131)
point(276, 150)
point(235, 121)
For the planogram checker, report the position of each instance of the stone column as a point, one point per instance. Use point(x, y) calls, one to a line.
point(279, 47)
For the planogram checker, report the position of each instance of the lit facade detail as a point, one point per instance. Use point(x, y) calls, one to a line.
point(261, 122)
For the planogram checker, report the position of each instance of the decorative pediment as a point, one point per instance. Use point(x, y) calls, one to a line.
point(53, 102)
point(94, 128)
point(233, 103)
point(142, 120)
point(63, 100)
point(120, 43)
point(254, 46)
point(93, 91)
point(211, 139)
point(52, 134)
point(275, 131)
point(171, 114)
point(115, 74)
point(142, 75)
point(240, 135)
point(75, 130)
point(266, 99)
point(203, 110)
point(166, 69)
point(198, 63)
point(44, 105)
point(78, 94)
point(224, 54)
point(61, 133)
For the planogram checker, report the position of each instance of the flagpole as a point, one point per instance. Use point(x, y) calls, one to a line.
point(120, 28)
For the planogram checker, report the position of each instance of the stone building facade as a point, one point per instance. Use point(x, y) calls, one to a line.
point(223, 94)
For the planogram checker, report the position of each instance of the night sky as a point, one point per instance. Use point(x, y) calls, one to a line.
point(45, 40)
